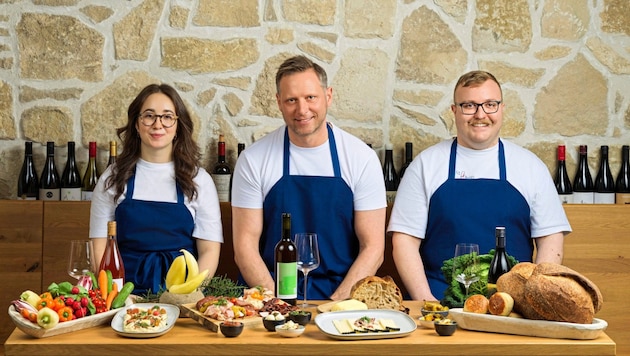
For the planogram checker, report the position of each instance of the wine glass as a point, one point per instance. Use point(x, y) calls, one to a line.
point(465, 269)
point(307, 257)
point(81, 258)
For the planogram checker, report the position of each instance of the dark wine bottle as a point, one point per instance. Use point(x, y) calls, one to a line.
point(49, 183)
point(112, 153)
point(286, 264)
point(604, 182)
point(28, 184)
point(221, 173)
point(390, 175)
point(622, 186)
point(241, 147)
point(112, 260)
point(563, 184)
point(408, 159)
point(500, 263)
point(71, 178)
point(90, 178)
point(583, 182)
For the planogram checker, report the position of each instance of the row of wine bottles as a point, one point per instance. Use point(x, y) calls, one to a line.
point(222, 173)
point(392, 178)
point(604, 189)
point(52, 186)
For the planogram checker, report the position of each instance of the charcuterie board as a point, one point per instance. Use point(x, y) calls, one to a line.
point(213, 324)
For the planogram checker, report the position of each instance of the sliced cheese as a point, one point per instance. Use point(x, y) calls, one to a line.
point(389, 325)
point(344, 326)
point(350, 304)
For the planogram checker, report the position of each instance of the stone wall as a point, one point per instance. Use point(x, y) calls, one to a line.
point(69, 69)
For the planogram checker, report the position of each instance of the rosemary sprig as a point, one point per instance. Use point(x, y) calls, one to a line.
point(222, 286)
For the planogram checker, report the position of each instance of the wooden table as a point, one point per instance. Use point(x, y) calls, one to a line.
point(189, 338)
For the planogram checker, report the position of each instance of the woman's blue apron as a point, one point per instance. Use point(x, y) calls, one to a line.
point(317, 204)
point(150, 235)
point(468, 210)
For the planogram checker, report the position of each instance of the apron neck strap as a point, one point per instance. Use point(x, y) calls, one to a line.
point(331, 143)
point(453, 159)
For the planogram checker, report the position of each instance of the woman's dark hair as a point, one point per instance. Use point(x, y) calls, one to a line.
point(186, 153)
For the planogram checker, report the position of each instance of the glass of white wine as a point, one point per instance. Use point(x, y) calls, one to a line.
point(81, 259)
point(465, 269)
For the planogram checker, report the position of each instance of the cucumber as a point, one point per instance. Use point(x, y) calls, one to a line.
point(124, 293)
point(94, 280)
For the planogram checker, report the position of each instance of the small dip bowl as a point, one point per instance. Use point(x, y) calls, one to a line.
point(231, 328)
point(445, 329)
point(443, 313)
point(300, 317)
point(290, 329)
point(270, 324)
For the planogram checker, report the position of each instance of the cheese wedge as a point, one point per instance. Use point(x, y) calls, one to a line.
point(350, 304)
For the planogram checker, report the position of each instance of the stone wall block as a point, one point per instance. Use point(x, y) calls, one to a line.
point(97, 13)
point(457, 9)
point(227, 13)
point(233, 104)
point(28, 94)
point(178, 17)
point(135, 33)
point(614, 17)
point(369, 18)
point(196, 55)
point(514, 116)
point(276, 36)
point(47, 53)
point(317, 51)
point(7, 121)
point(263, 100)
point(502, 26)
point(241, 83)
point(315, 12)
point(48, 123)
point(566, 20)
point(506, 73)
point(417, 116)
point(419, 97)
point(552, 52)
point(608, 56)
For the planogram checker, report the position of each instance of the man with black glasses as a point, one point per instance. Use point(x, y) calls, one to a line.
point(459, 190)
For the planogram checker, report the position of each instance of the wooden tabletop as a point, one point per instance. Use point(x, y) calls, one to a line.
point(190, 338)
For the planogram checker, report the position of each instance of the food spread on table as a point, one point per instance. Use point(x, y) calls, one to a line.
point(364, 324)
point(145, 320)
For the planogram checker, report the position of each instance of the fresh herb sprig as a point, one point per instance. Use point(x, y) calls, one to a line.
point(222, 286)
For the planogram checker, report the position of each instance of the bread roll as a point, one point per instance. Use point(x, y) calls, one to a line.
point(378, 293)
point(476, 303)
point(500, 303)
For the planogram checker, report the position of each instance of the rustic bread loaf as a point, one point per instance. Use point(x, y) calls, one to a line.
point(513, 283)
point(476, 303)
point(378, 293)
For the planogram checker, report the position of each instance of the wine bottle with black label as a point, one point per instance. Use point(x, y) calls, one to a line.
point(604, 182)
point(500, 263)
point(221, 173)
point(112, 260)
point(622, 185)
point(71, 178)
point(408, 159)
point(390, 175)
point(583, 182)
point(563, 184)
point(286, 264)
point(49, 183)
point(28, 184)
point(90, 178)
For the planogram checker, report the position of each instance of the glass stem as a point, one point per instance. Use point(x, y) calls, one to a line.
point(305, 288)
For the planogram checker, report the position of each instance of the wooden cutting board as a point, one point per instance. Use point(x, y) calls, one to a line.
point(213, 324)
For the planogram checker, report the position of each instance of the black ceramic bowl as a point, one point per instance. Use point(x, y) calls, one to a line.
point(300, 317)
point(270, 325)
point(231, 328)
point(445, 329)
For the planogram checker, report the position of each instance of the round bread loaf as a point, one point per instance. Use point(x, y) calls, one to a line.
point(378, 293)
point(513, 283)
point(500, 303)
point(476, 303)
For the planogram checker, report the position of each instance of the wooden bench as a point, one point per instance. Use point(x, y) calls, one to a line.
point(35, 238)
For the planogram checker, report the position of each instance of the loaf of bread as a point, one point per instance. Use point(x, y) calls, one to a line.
point(552, 292)
point(378, 293)
point(476, 303)
point(500, 303)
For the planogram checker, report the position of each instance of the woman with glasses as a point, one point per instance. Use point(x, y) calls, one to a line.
point(460, 190)
point(160, 198)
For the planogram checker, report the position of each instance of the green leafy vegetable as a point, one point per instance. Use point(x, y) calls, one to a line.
point(455, 293)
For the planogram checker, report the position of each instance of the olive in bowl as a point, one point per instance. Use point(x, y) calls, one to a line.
point(301, 317)
point(272, 320)
point(231, 328)
point(442, 313)
point(445, 327)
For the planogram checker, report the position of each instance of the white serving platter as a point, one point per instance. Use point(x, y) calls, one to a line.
point(172, 313)
point(527, 327)
point(325, 324)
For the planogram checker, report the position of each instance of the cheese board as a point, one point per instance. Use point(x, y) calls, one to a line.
point(213, 324)
point(527, 327)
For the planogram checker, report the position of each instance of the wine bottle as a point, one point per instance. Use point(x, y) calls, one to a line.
point(500, 263)
point(604, 183)
point(221, 173)
point(49, 183)
point(408, 159)
point(112, 260)
point(71, 178)
point(622, 186)
point(286, 264)
point(583, 182)
point(90, 178)
point(563, 184)
point(389, 173)
point(28, 184)
point(241, 147)
point(112, 153)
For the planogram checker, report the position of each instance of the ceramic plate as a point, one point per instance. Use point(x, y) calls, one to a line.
point(325, 323)
point(172, 313)
point(527, 327)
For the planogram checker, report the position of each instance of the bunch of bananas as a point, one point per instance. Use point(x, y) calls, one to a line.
point(183, 277)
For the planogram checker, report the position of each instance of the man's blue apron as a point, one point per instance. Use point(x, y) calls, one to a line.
point(317, 204)
point(150, 235)
point(468, 210)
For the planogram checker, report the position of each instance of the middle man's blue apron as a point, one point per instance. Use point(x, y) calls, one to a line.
point(323, 205)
